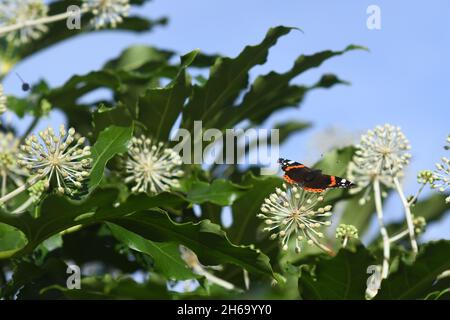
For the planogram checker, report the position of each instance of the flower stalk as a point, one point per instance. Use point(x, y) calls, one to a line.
point(383, 230)
point(408, 216)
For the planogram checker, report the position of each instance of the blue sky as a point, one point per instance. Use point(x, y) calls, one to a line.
point(403, 80)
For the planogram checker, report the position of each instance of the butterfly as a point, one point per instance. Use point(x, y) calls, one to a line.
point(311, 180)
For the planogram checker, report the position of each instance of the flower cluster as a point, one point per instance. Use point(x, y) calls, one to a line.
point(425, 176)
point(9, 169)
point(344, 231)
point(151, 167)
point(60, 158)
point(419, 225)
point(381, 155)
point(13, 12)
point(292, 213)
point(107, 12)
point(3, 106)
point(441, 176)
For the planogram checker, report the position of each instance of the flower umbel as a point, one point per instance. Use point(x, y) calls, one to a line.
point(442, 176)
point(346, 231)
point(292, 213)
point(107, 12)
point(381, 155)
point(151, 167)
point(61, 158)
point(13, 12)
point(3, 106)
point(9, 169)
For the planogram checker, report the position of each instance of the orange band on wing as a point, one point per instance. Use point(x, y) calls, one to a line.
point(294, 167)
point(333, 181)
point(288, 179)
point(313, 190)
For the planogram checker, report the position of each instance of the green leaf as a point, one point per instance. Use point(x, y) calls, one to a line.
point(166, 255)
point(341, 277)
point(244, 228)
point(357, 214)
point(11, 240)
point(221, 192)
point(105, 117)
point(58, 214)
point(79, 85)
point(227, 78)
point(137, 56)
point(415, 281)
point(206, 239)
point(288, 128)
point(273, 91)
point(432, 208)
point(111, 141)
point(59, 32)
point(159, 108)
point(109, 288)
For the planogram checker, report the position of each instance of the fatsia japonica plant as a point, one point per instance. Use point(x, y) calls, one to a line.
point(111, 192)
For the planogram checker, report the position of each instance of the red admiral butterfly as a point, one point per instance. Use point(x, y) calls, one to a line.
point(311, 180)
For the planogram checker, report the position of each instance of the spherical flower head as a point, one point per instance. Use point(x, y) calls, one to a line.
point(60, 158)
point(107, 12)
point(419, 225)
point(441, 178)
point(14, 12)
point(346, 231)
point(3, 101)
point(9, 168)
point(381, 155)
point(292, 213)
point(151, 167)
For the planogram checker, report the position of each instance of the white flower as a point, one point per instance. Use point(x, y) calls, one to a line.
point(441, 177)
point(107, 11)
point(151, 167)
point(60, 158)
point(13, 12)
point(292, 213)
point(382, 155)
point(9, 169)
point(3, 106)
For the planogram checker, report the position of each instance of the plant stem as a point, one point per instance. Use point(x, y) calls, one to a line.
point(213, 279)
point(20, 189)
point(414, 199)
point(344, 243)
point(409, 219)
point(324, 248)
point(399, 236)
point(383, 231)
point(44, 20)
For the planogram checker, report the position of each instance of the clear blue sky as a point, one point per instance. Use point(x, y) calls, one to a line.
point(403, 80)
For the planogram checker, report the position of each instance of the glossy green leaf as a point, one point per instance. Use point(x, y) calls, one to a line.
point(111, 141)
point(341, 277)
point(227, 78)
point(166, 255)
point(111, 288)
point(416, 281)
point(11, 240)
point(206, 239)
point(221, 192)
point(159, 108)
